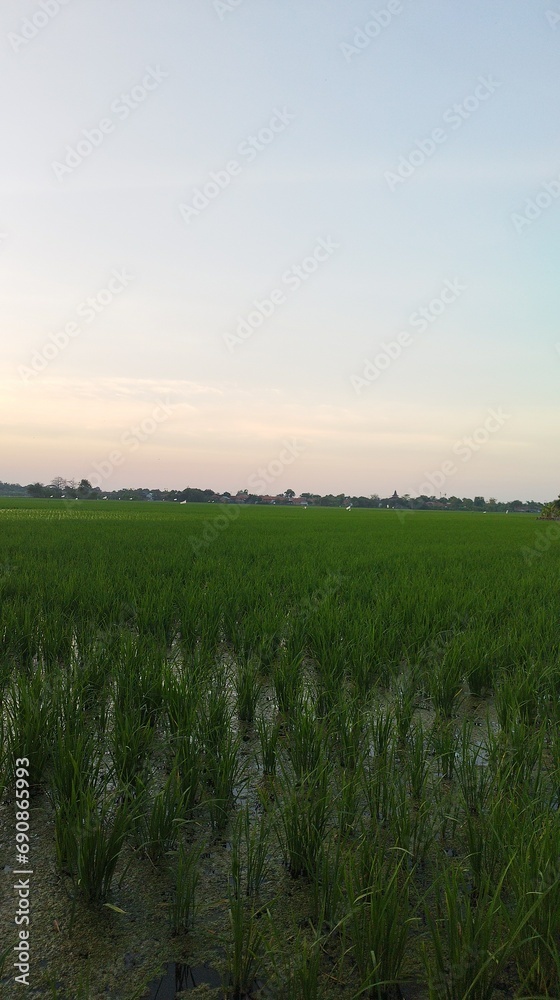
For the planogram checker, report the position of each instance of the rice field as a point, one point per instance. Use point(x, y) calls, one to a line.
point(302, 754)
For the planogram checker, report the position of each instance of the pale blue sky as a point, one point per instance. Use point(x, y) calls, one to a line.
point(344, 117)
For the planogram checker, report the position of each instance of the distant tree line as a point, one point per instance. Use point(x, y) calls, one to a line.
point(12, 490)
point(83, 490)
point(71, 489)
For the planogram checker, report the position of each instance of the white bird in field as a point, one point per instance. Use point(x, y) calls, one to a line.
point(349, 507)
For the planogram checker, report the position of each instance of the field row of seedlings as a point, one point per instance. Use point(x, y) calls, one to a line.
point(320, 758)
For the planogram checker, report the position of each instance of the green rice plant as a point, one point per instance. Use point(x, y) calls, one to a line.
point(287, 679)
point(55, 641)
point(22, 646)
point(412, 827)
point(131, 740)
point(448, 821)
point(404, 691)
point(305, 741)
point(128, 664)
point(327, 885)
point(363, 668)
point(76, 770)
point(31, 713)
point(521, 765)
point(182, 909)
point(303, 977)
point(551, 703)
point(210, 622)
point(376, 778)
point(250, 844)
point(326, 695)
point(379, 918)
point(215, 715)
point(156, 615)
point(224, 773)
point(330, 656)
point(6, 670)
point(484, 836)
point(233, 628)
point(506, 702)
point(474, 777)
point(148, 679)
point(346, 729)
point(475, 784)
point(524, 745)
point(445, 682)
point(479, 652)
point(349, 801)
point(519, 696)
point(416, 761)
point(187, 762)
point(76, 697)
point(293, 637)
point(531, 681)
point(182, 691)
point(267, 650)
point(235, 879)
point(471, 941)
point(554, 749)
point(256, 842)
point(161, 818)
point(76, 761)
point(535, 881)
point(443, 742)
point(188, 626)
point(304, 815)
point(381, 732)
point(248, 687)
point(100, 836)
point(67, 825)
point(268, 739)
point(245, 947)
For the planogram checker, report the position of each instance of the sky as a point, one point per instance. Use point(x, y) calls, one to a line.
point(303, 244)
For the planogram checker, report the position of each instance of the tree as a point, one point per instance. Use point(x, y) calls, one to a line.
point(329, 500)
point(290, 494)
point(37, 490)
point(85, 488)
